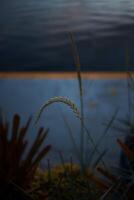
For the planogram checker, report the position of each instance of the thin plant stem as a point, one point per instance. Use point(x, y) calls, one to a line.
point(79, 78)
point(49, 170)
point(128, 89)
point(76, 149)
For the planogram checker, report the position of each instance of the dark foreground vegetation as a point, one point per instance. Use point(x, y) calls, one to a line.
point(22, 179)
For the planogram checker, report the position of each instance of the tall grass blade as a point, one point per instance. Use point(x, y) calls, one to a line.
point(96, 149)
point(131, 80)
point(78, 70)
point(15, 127)
point(129, 153)
point(99, 158)
point(107, 174)
point(128, 83)
point(62, 160)
point(24, 130)
point(49, 170)
point(71, 135)
point(106, 130)
point(103, 135)
point(41, 154)
point(37, 144)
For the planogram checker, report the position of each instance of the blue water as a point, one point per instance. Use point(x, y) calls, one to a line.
point(101, 99)
point(34, 34)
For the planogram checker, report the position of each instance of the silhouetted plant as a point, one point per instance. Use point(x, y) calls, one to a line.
point(120, 183)
point(16, 165)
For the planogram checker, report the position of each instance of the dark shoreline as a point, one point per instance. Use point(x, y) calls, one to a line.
point(62, 75)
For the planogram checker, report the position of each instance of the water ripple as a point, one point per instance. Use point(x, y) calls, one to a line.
point(43, 26)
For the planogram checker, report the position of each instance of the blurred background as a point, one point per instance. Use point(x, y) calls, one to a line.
point(34, 34)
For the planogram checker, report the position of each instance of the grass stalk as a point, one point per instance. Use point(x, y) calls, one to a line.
point(49, 170)
point(128, 80)
point(76, 149)
point(79, 78)
point(108, 126)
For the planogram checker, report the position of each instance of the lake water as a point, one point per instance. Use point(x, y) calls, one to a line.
point(101, 99)
point(34, 34)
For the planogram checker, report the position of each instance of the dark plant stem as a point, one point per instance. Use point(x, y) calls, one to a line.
point(71, 164)
point(128, 88)
point(49, 170)
point(79, 78)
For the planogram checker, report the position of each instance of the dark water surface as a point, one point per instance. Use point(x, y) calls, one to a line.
point(101, 99)
point(34, 34)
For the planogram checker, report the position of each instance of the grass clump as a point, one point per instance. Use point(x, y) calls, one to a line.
point(66, 183)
